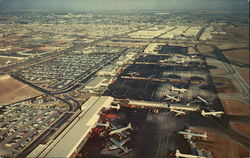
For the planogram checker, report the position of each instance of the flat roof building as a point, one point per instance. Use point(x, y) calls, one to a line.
point(109, 70)
point(95, 83)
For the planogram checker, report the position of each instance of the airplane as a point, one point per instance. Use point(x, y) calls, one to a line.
point(115, 145)
point(180, 61)
point(172, 98)
point(214, 113)
point(193, 56)
point(186, 107)
point(117, 107)
point(102, 124)
point(178, 154)
point(123, 135)
point(181, 90)
point(121, 129)
point(131, 73)
point(188, 134)
point(203, 100)
point(152, 76)
point(162, 61)
point(178, 112)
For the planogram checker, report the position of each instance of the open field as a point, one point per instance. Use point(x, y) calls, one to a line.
point(234, 107)
point(244, 73)
point(230, 45)
point(241, 55)
point(204, 48)
point(234, 34)
point(239, 33)
point(12, 91)
point(216, 67)
point(227, 85)
point(220, 147)
point(241, 128)
point(191, 50)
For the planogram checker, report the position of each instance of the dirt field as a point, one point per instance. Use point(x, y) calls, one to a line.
point(204, 49)
point(191, 50)
point(234, 34)
point(241, 128)
point(238, 55)
point(228, 87)
point(238, 33)
point(12, 91)
point(221, 147)
point(229, 45)
point(244, 73)
point(234, 107)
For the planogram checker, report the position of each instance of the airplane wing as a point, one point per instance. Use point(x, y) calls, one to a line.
point(178, 114)
point(113, 141)
point(124, 141)
point(189, 136)
point(111, 146)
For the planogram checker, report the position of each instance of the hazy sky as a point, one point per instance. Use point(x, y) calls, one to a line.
point(122, 4)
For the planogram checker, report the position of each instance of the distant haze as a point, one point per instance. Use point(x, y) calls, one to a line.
point(81, 5)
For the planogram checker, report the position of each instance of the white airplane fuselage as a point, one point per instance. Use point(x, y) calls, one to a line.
point(178, 154)
point(189, 135)
point(182, 90)
point(216, 113)
point(120, 129)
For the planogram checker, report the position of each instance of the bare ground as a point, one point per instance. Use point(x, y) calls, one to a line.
point(234, 107)
point(242, 128)
point(220, 147)
point(12, 91)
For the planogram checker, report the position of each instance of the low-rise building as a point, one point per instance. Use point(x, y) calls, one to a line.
point(95, 83)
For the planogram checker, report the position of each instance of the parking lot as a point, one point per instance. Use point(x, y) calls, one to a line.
point(59, 72)
point(21, 124)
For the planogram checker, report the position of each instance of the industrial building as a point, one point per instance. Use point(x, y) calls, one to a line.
point(68, 142)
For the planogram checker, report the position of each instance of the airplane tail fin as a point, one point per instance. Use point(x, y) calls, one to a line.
point(177, 114)
point(203, 113)
point(118, 106)
point(177, 153)
point(107, 124)
point(205, 135)
point(129, 126)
